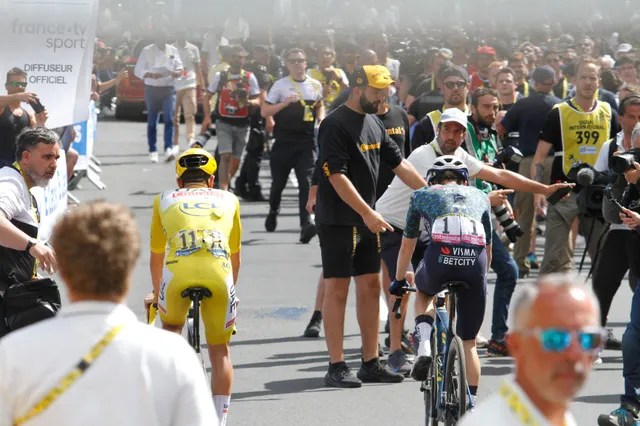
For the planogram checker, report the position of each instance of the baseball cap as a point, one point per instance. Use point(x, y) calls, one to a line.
point(376, 76)
point(544, 75)
point(445, 53)
point(624, 48)
point(454, 71)
point(486, 50)
point(454, 114)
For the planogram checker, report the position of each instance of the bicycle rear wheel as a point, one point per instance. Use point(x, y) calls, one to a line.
point(430, 387)
point(455, 382)
point(190, 330)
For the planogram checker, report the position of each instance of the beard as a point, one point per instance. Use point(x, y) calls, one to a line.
point(367, 106)
point(448, 146)
point(41, 181)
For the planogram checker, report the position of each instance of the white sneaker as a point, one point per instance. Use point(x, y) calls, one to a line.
point(176, 150)
point(481, 342)
point(153, 156)
point(169, 155)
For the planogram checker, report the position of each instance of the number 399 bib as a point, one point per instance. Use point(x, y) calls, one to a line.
point(456, 229)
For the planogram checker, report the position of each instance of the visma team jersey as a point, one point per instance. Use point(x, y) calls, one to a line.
point(453, 215)
point(195, 225)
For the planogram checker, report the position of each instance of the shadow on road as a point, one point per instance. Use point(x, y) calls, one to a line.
point(488, 370)
point(284, 387)
point(599, 399)
point(264, 215)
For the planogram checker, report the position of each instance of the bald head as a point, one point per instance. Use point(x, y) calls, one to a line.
point(532, 304)
point(368, 57)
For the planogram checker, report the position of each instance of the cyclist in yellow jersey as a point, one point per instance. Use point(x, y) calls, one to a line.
point(195, 242)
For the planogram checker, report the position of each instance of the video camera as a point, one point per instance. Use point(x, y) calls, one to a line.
point(593, 185)
point(624, 162)
point(508, 156)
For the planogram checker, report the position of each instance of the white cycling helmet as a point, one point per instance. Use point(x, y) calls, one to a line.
point(447, 164)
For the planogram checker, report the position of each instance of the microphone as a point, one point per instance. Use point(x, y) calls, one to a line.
point(586, 177)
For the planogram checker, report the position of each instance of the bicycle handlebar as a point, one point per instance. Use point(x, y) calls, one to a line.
point(396, 304)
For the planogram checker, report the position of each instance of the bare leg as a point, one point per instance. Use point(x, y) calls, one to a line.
point(472, 361)
point(333, 310)
point(222, 369)
point(319, 293)
point(225, 168)
point(396, 326)
point(368, 309)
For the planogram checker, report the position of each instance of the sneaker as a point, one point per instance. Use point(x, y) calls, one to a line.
point(313, 328)
point(399, 363)
point(255, 196)
point(376, 372)
point(169, 155)
point(533, 261)
point(308, 232)
point(613, 343)
point(406, 342)
point(626, 415)
point(340, 376)
point(481, 342)
point(271, 222)
point(420, 369)
point(153, 157)
point(497, 349)
point(597, 360)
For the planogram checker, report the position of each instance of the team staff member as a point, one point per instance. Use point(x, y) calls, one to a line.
point(333, 80)
point(295, 102)
point(352, 144)
point(576, 130)
point(202, 250)
point(140, 375)
point(238, 92)
point(455, 87)
point(527, 118)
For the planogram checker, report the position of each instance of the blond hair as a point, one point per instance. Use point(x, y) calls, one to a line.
point(97, 246)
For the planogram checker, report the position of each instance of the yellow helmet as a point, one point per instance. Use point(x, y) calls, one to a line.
point(196, 158)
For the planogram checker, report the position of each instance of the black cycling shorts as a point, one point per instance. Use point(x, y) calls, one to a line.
point(444, 263)
point(348, 251)
point(391, 243)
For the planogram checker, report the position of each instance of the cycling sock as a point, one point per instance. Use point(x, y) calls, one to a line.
point(473, 390)
point(221, 402)
point(424, 324)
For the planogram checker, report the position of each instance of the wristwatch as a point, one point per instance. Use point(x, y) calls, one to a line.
point(32, 242)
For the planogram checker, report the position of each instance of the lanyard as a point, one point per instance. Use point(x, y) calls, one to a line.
point(34, 210)
point(433, 82)
point(515, 99)
point(302, 102)
point(564, 87)
point(78, 370)
point(518, 408)
point(166, 52)
point(525, 86)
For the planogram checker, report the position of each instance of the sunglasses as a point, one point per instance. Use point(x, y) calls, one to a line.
point(22, 84)
point(553, 60)
point(457, 84)
point(559, 340)
point(295, 61)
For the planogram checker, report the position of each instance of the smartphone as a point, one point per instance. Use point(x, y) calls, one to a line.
point(559, 195)
point(37, 106)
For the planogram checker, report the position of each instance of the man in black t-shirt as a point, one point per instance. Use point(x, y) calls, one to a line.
point(352, 145)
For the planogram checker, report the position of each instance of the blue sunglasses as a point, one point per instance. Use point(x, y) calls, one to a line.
point(559, 340)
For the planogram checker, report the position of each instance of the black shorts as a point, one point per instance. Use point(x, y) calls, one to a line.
point(391, 242)
point(348, 251)
point(444, 263)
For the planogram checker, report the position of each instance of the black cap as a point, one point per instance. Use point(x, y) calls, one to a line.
point(544, 75)
point(455, 71)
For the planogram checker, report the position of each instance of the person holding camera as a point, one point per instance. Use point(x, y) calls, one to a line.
point(333, 80)
point(14, 118)
point(576, 130)
point(238, 92)
point(21, 252)
point(629, 411)
point(621, 248)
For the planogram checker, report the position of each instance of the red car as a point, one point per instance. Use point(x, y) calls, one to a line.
point(130, 90)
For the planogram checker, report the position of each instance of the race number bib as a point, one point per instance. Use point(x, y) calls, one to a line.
point(456, 229)
point(189, 241)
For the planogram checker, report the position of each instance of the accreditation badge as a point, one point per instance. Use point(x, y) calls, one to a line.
point(308, 114)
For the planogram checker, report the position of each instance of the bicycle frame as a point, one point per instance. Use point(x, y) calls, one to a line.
point(444, 332)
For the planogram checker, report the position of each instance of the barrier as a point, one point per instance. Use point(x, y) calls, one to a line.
point(87, 165)
point(52, 200)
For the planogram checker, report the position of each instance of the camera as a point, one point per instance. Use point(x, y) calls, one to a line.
point(624, 162)
point(508, 223)
point(509, 155)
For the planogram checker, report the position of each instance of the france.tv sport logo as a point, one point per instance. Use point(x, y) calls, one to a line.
point(57, 35)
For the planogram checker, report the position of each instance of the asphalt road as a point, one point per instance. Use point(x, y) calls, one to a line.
point(278, 374)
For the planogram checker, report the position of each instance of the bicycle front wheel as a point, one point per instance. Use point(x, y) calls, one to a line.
point(455, 383)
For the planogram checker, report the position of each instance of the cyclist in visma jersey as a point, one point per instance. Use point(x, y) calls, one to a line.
point(195, 242)
point(458, 219)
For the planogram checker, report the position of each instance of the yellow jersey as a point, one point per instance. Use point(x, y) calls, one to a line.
point(197, 229)
point(334, 87)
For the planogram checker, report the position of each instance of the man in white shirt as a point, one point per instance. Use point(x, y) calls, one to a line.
point(158, 65)
point(126, 379)
point(185, 87)
point(554, 338)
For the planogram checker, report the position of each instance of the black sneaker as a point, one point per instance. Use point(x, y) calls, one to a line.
point(314, 326)
point(271, 223)
point(308, 232)
point(420, 369)
point(613, 343)
point(497, 349)
point(376, 372)
point(339, 376)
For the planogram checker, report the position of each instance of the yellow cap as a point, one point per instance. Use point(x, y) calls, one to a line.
point(196, 158)
point(376, 76)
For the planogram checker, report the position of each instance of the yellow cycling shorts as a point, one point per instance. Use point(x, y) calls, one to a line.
point(218, 312)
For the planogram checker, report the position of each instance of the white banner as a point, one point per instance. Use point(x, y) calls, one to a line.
point(52, 200)
point(85, 137)
point(52, 40)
